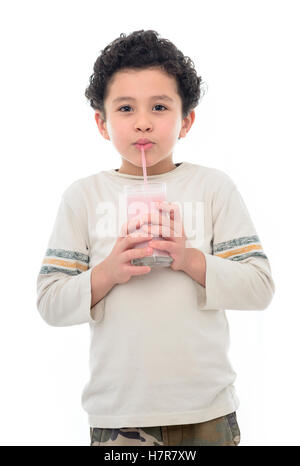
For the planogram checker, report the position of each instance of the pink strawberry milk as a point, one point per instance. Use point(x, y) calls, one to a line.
point(140, 199)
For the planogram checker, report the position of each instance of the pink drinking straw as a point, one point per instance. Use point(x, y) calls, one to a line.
point(144, 164)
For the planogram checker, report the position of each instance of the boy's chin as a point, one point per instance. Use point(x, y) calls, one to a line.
point(139, 164)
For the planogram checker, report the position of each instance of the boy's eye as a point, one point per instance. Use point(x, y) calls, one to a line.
point(158, 105)
point(125, 106)
point(128, 106)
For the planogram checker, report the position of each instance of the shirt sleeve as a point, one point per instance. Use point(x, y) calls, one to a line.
point(64, 280)
point(238, 272)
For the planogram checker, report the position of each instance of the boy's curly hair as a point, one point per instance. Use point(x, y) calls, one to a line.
point(142, 50)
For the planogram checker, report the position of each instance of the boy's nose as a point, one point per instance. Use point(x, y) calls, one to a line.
point(143, 128)
point(143, 123)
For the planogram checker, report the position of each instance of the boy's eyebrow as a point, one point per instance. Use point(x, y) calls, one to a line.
point(154, 97)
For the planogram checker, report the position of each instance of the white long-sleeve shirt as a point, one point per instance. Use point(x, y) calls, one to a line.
point(159, 343)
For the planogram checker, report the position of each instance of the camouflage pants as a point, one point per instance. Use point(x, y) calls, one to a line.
point(222, 431)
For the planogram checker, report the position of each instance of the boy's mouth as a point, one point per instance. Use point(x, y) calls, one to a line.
point(144, 146)
point(144, 143)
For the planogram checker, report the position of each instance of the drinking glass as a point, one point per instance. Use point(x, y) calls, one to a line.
point(140, 199)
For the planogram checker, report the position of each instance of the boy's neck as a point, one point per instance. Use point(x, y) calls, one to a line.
point(164, 166)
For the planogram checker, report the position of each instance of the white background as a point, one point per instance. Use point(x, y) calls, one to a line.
point(247, 125)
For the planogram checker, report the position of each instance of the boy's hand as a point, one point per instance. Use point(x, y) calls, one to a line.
point(168, 224)
point(117, 265)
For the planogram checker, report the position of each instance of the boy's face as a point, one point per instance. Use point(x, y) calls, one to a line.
point(142, 116)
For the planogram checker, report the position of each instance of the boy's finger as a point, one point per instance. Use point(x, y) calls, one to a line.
point(130, 240)
point(139, 220)
point(125, 232)
point(169, 230)
point(158, 230)
point(173, 209)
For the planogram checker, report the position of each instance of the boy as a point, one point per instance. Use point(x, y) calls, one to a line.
point(160, 374)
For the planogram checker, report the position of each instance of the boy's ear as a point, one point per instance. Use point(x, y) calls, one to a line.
point(101, 124)
point(187, 123)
